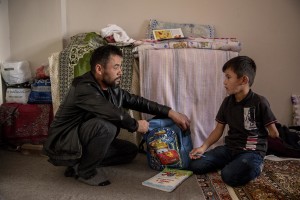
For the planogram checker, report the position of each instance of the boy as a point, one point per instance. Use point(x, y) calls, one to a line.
point(250, 121)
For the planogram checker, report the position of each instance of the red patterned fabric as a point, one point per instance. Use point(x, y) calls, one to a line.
point(25, 123)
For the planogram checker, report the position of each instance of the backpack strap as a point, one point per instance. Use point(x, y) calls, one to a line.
point(141, 146)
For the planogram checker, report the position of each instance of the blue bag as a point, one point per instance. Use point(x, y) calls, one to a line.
point(167, 145)
point(40, 92)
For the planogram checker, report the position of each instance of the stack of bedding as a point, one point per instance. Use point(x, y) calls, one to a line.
point(186, 73)
point(27, 112)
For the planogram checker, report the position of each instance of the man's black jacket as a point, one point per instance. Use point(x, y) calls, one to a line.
point(84, 101)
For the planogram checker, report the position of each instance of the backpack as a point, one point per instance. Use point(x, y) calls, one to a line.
point(167, 145)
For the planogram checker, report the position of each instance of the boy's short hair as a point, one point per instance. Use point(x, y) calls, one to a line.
point(242, 66)
point(102, 54)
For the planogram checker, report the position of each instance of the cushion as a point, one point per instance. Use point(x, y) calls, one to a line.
point(188, 30)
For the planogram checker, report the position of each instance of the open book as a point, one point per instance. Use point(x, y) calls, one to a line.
point(164, 34)
point(168, 179)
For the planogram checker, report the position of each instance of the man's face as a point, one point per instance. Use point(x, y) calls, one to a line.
point(111, 74)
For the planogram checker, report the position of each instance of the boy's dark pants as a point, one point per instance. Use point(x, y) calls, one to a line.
point(237, 168)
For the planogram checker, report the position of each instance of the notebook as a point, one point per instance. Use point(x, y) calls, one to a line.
point(168, 179)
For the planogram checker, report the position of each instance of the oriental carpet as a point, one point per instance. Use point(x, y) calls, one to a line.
point(279, 180)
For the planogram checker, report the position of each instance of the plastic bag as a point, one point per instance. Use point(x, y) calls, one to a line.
point(16, 72)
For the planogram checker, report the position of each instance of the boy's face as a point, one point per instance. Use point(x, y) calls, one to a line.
point(232, 83)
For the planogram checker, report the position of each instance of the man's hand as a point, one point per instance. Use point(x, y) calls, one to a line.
point(180, 119)
point(143, 126)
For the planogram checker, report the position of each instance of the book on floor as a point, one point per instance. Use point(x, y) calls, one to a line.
point(168, 179)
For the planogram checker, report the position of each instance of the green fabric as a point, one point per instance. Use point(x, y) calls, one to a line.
point(91, 41)
point(83, 65)
point(74, 60)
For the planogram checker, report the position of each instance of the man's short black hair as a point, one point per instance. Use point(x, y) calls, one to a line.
point(242, 66)
point(102, 54)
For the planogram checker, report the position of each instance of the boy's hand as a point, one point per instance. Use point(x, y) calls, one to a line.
point(197, 153)
point(272, 131)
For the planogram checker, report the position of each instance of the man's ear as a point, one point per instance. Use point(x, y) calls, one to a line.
point(98, 69)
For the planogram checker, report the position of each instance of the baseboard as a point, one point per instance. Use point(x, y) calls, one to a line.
point(32, 149)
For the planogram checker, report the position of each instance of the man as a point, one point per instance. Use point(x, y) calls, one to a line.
point(83, 134)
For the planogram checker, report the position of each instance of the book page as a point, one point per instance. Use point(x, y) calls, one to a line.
point(167, 34)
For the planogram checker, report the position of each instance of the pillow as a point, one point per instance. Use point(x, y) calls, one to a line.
point(188, 30)
point(296, 109)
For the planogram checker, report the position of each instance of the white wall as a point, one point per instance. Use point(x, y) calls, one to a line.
point(4, 31)
point(35, 30)
point(4, 39)
point(269, 31)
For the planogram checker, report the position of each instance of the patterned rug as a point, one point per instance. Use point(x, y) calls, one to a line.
point(213, 187)
point(278, 181)
point(74, 60)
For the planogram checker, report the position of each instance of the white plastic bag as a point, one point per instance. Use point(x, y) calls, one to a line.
point(16, 72)
point(17, 95)
point(296, 109)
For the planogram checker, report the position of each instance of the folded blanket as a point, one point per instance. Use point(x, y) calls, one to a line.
point(225, 44)
point(25, 123)
point(188, 80)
